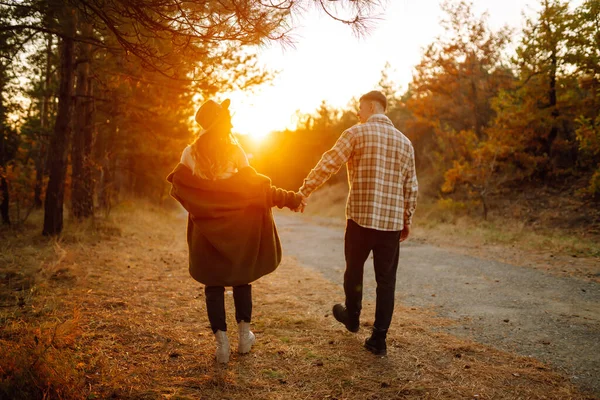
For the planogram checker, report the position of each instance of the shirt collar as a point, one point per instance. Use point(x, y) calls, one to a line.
point(379, 118)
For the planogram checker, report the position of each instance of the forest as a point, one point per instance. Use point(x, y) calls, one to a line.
point(97, 99)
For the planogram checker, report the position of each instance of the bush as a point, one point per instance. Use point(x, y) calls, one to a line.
point(38, 363)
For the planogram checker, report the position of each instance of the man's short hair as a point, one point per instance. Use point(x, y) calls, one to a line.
point(375, 95)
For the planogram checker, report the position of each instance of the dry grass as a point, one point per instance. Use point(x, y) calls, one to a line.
point(119, 317)
point(498, 229)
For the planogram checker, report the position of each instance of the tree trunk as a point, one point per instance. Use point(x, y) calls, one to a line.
point(552, 103)
point(82, 195)
point(5, 151)
point(484, 205)
point(105, 156)
point(40, 171)
point(477, 126)
point(5, 199)
point(40, 162)
point(59, 143)
point(553, 134)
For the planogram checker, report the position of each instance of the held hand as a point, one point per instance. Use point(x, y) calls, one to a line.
point(404, 233)
point(302, 203)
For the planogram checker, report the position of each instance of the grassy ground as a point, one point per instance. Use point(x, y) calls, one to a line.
point(508, 235)
point(109, 311)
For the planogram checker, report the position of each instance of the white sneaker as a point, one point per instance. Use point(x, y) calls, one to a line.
point(246, 338)
point(223, 350)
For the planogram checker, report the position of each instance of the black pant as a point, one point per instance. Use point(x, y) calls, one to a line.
point(215, 305)
point(358, 244)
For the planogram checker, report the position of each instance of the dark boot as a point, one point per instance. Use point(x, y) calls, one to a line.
point(350, 320)
point(376, 343)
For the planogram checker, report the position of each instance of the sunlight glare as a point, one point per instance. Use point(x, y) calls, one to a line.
point(258, 121)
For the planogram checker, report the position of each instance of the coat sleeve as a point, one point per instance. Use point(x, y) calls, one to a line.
point(283, 198)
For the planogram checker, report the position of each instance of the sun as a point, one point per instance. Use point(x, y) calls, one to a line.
point(257, 130)
point(257, 122)
point(258, 113)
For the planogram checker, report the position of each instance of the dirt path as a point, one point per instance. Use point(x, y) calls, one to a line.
point(113, 313)
point(532, 313)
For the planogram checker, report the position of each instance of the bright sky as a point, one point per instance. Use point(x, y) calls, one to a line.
point(329, 63)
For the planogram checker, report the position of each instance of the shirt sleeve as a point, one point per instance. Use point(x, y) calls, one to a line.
point(411, 189)
point(330, 163)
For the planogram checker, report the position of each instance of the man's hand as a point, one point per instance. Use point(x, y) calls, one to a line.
point(404, 233)
point(302, 203)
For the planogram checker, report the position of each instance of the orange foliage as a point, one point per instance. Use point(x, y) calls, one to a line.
point(34, 366)
point(21, 181)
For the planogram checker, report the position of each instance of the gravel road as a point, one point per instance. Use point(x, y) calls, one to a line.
point(513, 308)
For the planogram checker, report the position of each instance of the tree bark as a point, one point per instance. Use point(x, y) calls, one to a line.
point(5, 199)
point(552, 41)
point(552, 103)
point(5, 147)
point(106, 158)
point(40, 162)
point(82, 194)
point(474, 65)
point(59, 143)
point(554, 114)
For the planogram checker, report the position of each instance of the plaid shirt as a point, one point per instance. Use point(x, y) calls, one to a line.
point(381, 174)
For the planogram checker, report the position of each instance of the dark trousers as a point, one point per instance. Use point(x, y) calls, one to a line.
point(358, 244)
point(215, 305)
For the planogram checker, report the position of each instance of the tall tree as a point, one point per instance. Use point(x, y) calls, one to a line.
point(584, 55)
point(9, 141)
point(59, 143)
point(5, 151)
point(8, 148)
point(460, 71)
point(82, 185)
point(451, 91)
point(40, 162)
point(535, 113)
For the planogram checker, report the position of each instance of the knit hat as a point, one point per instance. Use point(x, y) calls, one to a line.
point(211, 112)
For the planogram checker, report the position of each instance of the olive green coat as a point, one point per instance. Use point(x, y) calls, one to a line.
point(231, 234)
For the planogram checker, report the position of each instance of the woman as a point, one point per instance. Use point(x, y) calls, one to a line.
point(231, 234)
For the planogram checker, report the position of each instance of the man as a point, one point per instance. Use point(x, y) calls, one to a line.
point(381, 203)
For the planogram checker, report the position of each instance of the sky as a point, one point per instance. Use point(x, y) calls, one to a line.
point(328, 62)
